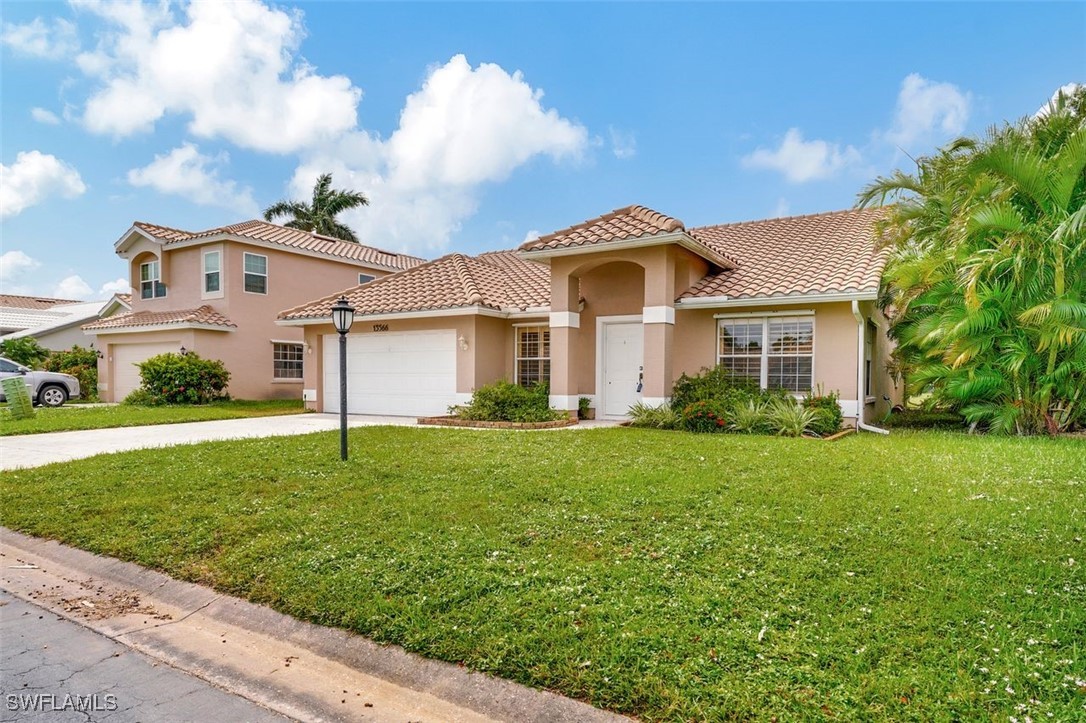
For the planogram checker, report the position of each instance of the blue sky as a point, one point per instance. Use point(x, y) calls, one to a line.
point(473, 126)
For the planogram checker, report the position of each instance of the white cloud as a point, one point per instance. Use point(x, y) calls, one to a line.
point(623, 143)
point(186, 172)
point(37, 39)
point(801, 160)
point(73, 287)
point(230, 66)
point(34, 177)
point(1067, 89)
point(465, 127)
point(13, 266)
point(530, 236)
point(782, 209)
point(119, 286)
point(41, 115)
point(926, 109)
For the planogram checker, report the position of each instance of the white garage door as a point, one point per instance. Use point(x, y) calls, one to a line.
point(126, 375)
point(411, 373)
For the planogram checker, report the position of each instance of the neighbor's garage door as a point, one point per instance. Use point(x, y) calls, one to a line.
point(410, 373)
point(126, 375)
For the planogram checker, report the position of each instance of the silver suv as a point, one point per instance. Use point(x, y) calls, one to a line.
point(49, 389)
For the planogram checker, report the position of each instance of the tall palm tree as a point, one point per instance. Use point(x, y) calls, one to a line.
point(987, 273)
point(320, 214)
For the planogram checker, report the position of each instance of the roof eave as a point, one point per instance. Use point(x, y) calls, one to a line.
point(121, 245)
point(470, 310)
point(722, 302)
point(220, 237)
point(680, 238)
point(158, 327)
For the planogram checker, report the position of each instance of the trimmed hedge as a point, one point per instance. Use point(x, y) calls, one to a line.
point(507, 402)
point(180, 379)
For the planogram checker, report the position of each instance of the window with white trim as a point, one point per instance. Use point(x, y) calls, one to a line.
point(212, 271)
point(287, 360)
point(151, 286)
point(869, 357)
point(533, 355)
point(256, 273)
point(365, 278)
point(777, 352)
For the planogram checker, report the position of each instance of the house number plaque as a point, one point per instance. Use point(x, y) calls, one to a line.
point(380, 327)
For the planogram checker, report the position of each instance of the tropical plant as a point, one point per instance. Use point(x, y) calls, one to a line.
point(788, 419)
point(705, 416)
point(827, 409)
point(986, 278)
point(750, 416)
point(181, 379)
point(661, 417)
point(319, 215)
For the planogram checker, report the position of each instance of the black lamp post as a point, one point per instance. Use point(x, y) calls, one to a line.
point(342, 318)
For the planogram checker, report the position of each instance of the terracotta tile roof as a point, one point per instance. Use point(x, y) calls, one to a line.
point(32, 302)
point(621, 224)
point(125, 298)
point(258, 230)
point(499, 280)
point(824, 253)
point(202, 315)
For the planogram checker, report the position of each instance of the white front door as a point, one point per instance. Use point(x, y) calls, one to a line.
point(622, 363)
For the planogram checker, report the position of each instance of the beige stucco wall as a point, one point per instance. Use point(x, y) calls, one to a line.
point(293, 279)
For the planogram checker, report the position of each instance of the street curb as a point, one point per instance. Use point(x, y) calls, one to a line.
point(482, 693)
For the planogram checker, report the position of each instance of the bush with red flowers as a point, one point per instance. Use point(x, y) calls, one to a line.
point(705, 417)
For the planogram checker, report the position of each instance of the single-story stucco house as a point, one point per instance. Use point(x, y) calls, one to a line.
point(615, 309)
point(55, 323)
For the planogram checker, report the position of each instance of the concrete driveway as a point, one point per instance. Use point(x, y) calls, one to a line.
point(35, 450)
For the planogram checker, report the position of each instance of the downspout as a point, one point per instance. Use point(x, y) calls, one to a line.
point(861, 330)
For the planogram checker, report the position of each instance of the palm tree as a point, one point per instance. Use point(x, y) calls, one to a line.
point(320, 214)
point(986, 280)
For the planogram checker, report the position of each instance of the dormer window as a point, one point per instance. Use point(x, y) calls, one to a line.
point(151, 286)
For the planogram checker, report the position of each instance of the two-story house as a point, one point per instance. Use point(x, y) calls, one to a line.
point(217, 293)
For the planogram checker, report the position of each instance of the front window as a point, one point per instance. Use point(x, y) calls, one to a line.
point(286, 361)
point(256, 274)
point(151, 286)
point(533, 355)
point(212, 272)
point(778, 353)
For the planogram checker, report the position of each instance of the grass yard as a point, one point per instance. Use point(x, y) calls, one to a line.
point(922, 576)
point(67, 418)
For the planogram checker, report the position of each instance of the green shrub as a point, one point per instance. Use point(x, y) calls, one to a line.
point(662, 417)
point(924, 419)
point(827, 409)
point(142, 398)
point(184, 378)
point(788, 419)
point(583, 405)
point(750, 416)
point(705, 417)
point(81, 363)
point(507, 402)
point(716, 384)
point(24, 350)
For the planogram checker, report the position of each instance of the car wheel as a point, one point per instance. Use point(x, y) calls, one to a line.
point(52, 396)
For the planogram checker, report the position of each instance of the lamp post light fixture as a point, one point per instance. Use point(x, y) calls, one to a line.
point(342, 318)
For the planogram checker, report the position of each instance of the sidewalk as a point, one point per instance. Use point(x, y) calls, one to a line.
point(292, 668)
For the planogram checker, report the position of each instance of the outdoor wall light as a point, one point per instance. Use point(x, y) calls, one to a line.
point(463, 342)
point(342, 318)
point(184, 351)
point(99, 354)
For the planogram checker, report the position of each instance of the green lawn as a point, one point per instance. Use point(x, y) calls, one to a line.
point(922, 576)
point(68, 418)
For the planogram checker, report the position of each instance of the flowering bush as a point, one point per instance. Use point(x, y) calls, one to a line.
point(705, 417)
point(182, 379)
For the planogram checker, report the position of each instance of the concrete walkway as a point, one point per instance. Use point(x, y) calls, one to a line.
point(275, 662)
point(35, 450)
